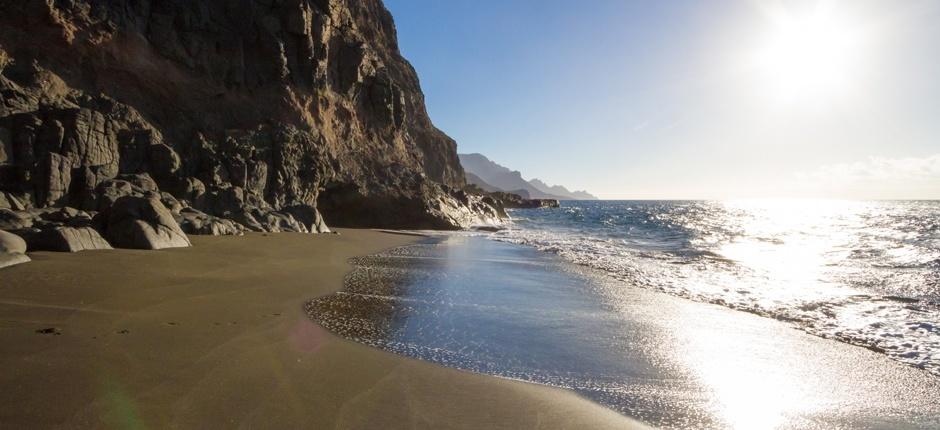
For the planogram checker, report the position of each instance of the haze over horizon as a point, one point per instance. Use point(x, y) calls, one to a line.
point(733, 99)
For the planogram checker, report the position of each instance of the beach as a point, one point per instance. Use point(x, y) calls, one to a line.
point(473, 303)
point(215, 336)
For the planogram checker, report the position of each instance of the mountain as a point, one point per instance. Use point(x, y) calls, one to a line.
point(561, 191)
point(248, 114)
point(485, 173)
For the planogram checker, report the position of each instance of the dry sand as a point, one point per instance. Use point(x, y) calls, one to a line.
point(214, 336)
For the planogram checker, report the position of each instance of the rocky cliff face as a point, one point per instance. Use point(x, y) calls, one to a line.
point(235, 114)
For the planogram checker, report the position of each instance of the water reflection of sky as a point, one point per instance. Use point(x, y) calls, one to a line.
point(510, 311)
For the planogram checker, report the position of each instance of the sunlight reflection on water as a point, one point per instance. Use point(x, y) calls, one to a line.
point(866, 273)
point(510, 311)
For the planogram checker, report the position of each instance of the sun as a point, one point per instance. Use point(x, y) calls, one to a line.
point(809, 57)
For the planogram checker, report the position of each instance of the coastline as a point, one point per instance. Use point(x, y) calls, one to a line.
point(512, 311)
point(216, 334)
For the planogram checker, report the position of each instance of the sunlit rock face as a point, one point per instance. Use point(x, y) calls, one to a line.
point(239, 109)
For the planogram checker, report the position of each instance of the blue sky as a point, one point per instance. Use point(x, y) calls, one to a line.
point(688, 99)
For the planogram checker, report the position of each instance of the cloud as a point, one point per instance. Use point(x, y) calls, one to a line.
point(875, 178)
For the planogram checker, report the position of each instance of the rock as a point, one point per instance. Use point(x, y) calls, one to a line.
point(192, 191)
point(164, 161)
point(515, 201)
point(66, 239)
point(9, 201)
point(53, 179)
point(171, 203)
point(15, 220)
point(11, 243)
point(143, 223)
point(488, 228)
point(276, 222)
point(12, 249)
point(111, 190)
point(193, 221)
point(309, 217)
point(6, 146)
point(240, 116)
point(7, 260)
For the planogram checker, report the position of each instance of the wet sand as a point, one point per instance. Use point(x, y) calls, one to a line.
point(215, 336)
point(510, 310)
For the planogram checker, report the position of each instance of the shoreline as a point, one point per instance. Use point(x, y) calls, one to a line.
point(217, 334)
point(514, 312)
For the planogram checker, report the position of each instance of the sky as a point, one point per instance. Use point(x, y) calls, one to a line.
point(689, 99)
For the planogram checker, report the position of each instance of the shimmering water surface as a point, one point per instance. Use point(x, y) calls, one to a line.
point(512, 311)
point(590, 314)
point(866, 273)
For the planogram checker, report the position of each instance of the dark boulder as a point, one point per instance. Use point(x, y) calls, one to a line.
point(193, 221)
point(309, 217)
point(143, 223)
point(15, 220)
point(66, 239)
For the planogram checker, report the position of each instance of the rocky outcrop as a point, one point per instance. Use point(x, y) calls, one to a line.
point(192, 221)
point(225, 115)
point(504, 200)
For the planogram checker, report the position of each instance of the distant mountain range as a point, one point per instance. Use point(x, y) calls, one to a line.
point(489, 176)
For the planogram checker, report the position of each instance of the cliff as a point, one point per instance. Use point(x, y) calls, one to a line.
point(232, 115)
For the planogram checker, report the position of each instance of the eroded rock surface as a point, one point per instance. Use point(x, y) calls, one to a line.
point(12, 249)
point(143, 223)
point(243, 111)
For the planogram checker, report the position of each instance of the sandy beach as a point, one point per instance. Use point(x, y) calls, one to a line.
point(215, 336)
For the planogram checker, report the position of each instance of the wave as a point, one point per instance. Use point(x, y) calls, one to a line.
point(861, 273)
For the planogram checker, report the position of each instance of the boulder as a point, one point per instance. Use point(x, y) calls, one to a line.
point(309, 216)
point(9, 201)
point(12, 249)
point(265, 220)
point(7, 260)
point(15, 220)
point(66, 239)
point(143, 223)
point(11, 243)
point(193, 221)
point(111, 190)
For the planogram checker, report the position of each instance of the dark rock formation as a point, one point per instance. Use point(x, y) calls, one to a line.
point(142, 223)
point(192, 221)
point(65, 239)
point(253, 114)
point(515, 201)
point(503, 200)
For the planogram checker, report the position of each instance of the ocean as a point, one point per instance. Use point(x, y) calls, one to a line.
point(681, 314)
point(862, 272)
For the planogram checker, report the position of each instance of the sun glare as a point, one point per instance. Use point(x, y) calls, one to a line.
point(809, 58)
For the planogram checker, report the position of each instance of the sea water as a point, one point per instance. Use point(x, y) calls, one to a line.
point(594, 297)
point(867, 273)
